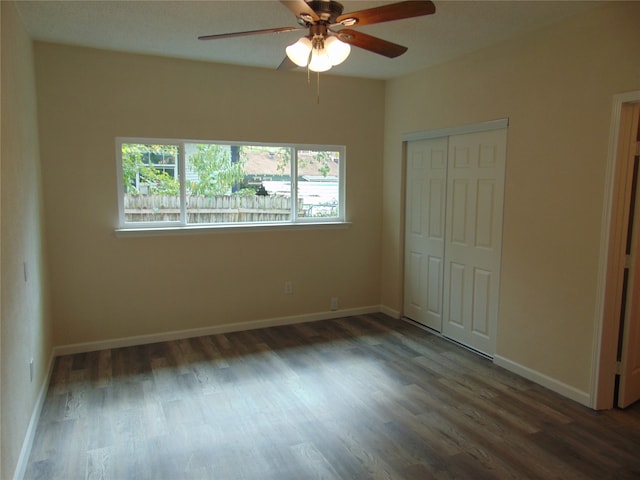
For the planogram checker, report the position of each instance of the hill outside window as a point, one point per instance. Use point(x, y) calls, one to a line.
point(180, 183)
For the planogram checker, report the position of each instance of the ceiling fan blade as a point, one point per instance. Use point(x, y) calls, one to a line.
point(373, 44)
point(250, 32)
point(301, 9)
point(387, 13)
point(287, 64)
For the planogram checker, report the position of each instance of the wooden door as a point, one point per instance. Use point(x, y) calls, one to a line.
point(629, 345)
point(424, 231)
point(475, 192)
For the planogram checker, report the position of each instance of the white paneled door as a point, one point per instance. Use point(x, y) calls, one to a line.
point(452, 281)
point(475, 192)
point(424, 234)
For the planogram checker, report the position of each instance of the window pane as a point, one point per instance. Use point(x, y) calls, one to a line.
point(318, 183)
point(271, 166)
point(151, 182)
point(236, 183)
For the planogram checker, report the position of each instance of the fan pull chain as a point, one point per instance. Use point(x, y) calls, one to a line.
point(317, 84)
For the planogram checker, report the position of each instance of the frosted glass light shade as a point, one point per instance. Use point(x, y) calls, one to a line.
point(337, 50)
point(299, 52)
point(320, 61)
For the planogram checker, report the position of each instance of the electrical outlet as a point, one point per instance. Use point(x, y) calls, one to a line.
point(334, 303)
point(288, 287)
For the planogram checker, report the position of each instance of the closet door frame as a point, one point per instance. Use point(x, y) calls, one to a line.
point(459, 130)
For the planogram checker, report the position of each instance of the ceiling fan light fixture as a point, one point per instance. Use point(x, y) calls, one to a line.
point(337, 50)
point(320, 61)
point(299, 52)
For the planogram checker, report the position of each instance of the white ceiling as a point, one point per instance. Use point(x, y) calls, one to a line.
point(170, 28)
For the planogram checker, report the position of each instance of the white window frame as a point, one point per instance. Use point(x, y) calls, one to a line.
point(180, 225)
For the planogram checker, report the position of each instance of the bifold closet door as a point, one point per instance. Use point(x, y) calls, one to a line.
point(426, 178)
point(473, 238)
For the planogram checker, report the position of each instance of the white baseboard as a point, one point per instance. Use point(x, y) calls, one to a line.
point(552, 384)
point(212, 330)
point(390, 311)
point(27, 444)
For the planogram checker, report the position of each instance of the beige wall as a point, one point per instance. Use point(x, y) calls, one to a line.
point(25, 331)
point(107, 287)
point(556, 87)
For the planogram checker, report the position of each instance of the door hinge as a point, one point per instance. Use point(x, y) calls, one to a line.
point(618, 368)
point(627, 261)
point(637, 149)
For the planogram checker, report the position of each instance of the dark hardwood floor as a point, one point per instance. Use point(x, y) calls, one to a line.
point(364, 397)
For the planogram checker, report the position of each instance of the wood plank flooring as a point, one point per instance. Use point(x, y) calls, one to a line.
point(364, 397)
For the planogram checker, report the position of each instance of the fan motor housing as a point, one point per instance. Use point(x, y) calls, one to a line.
point(328, 11)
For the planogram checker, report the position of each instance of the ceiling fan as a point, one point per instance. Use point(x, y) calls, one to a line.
point(325, 46)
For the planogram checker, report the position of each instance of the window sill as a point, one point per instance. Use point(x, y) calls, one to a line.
point(239, 228)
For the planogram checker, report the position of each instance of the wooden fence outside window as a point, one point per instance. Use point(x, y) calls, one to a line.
point(215, 209)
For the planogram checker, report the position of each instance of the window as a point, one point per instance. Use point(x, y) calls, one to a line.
point(177, 183)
